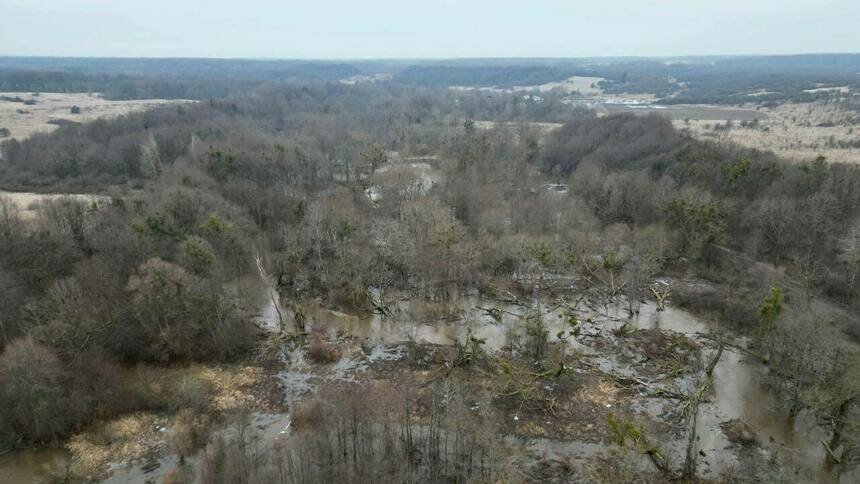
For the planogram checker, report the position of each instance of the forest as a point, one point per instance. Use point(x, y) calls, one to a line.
point(319, 196)
point(702, 79)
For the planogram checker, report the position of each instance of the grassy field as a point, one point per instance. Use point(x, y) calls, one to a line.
point(28, 203)
point(681, 112)
point(22, 120)
point(797, 132)
point(587, 86)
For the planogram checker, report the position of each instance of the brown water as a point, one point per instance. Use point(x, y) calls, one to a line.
point(453, 321)
point(34, 466)
point(740, 393)
point(738, 382)
point(739, 389)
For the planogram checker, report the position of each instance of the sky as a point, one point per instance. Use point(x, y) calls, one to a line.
point(353, 29)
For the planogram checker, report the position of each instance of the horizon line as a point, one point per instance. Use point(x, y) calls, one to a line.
point(453, 58)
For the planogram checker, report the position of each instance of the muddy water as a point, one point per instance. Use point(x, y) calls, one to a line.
point(740, 393)
point(34, 466)
point(431, 323)
point(739, 390)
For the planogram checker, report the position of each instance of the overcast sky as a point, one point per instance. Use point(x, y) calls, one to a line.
point(417, 29)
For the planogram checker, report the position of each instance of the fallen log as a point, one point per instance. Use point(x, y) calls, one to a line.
point(691, 408)
point(830, 453)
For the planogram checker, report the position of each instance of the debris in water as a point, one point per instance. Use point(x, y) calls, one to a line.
point(287, 427)
point(739, 432)
point(381, 353)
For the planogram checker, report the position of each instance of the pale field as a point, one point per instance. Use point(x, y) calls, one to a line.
point(587, 86)
point(23, 121)
point(840, 89)
point(703, 112)
point(790, 130)
point(569, 85)
point(542, 128)
point(28, 203)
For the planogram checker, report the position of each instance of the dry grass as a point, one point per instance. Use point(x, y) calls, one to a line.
point(587, 86)
point(28, 203)
point(600, 393)
point(213, 391)
point(232, 388)
point(797, 132)
point(219, 389)
point(23, 120)
point(128, 438)
point(542, 128)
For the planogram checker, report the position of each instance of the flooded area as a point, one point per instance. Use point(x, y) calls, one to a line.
point(33, 466)
point(740, 395)
point(740, 424)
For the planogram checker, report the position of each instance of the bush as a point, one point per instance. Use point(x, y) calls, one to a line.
point(185, 435)
point(190, 393)
point(319, 351)
point(181, 317)
point(33, 393)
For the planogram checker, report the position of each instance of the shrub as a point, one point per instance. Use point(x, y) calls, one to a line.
point(181, 317)
point(319, 351)
point(33, 395)
point(191, 393)
point(185, 435)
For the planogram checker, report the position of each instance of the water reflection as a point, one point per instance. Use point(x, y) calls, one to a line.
point(739, 388)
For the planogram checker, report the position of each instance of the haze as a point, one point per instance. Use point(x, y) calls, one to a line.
point(425, 29)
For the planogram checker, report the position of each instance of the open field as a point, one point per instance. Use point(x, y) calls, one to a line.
point(28, 203)
point(587, 86)
point(542, 128)
point(22, 120)
point(797, 132)
point(675, 112)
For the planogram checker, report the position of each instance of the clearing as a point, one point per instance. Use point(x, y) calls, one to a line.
point(797, 132)
point(587, 86)
point(28, 203)
point(22, 118)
